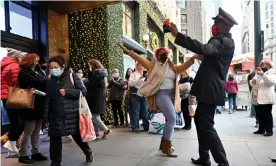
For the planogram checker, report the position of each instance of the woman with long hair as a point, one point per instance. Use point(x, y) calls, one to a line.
point(96, 94)
point(29, 78)
point(161, 89)
point(62, 109)
point(128, 73)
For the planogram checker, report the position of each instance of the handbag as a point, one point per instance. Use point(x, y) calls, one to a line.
point(192, 105)
point(20, 98)
point(86, 126)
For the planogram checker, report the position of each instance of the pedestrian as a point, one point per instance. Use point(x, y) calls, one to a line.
point(185, 84)
point(62, 110)
point(253, 111)
point(263, 96)
point(137, 103)
point(29, 78)
point(96, 95)
point(232, 90)
point(9, 72)
point(209, 83)
point(161, 89)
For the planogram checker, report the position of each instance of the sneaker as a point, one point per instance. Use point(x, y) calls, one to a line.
point(230, 111)
point(39, 157)
point(46, 139)
point(106, 133)
point(89, 160)
point(25, 160)
point(11, 146)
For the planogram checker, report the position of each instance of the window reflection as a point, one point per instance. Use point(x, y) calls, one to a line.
point(20, 20)
point(2, 16)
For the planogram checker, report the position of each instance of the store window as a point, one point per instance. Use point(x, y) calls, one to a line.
point(183, 3)
point(184, 31)
point(183, 18)
point(20, 20)
point(2, 16)
point(128, 21)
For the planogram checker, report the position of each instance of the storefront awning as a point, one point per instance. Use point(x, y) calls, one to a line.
point(133, 45)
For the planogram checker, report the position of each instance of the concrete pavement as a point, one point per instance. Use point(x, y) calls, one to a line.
point(124, 148)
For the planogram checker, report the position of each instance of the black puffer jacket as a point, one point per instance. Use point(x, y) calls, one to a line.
point(116, 89)
point(28, 78)
point(62, 112)
point(96, 91)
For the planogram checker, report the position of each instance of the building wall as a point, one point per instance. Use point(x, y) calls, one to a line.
point(58, 35)
point(195, 23)
point(247, 28)
point(269, 18)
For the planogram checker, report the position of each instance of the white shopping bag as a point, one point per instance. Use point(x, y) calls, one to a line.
point(157, 123)
point(179, 120)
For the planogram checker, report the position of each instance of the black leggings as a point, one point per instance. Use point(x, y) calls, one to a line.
point(16, 123)
point(117, 109)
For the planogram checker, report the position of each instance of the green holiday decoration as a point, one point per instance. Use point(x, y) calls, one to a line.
point(154, 42)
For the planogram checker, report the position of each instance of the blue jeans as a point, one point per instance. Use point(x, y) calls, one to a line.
point(232, 101)
point(165, 103)
point(138, 109)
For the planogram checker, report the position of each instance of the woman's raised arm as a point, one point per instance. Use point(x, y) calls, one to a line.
point(143, 61)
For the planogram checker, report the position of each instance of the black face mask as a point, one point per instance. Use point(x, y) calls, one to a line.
point(264, 69)
point(163, 57)
point(43, 67)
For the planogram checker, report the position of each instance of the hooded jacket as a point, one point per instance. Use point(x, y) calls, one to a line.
point(232, 87)
point(9, 72)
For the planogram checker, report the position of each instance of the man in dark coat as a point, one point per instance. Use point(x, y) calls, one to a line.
point(209, 83)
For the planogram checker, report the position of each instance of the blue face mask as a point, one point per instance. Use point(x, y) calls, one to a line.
point(116, 75)
point(56, 72)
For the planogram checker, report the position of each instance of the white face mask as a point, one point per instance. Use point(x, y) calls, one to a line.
point(80, 75)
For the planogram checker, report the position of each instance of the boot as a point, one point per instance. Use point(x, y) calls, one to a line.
point(167, 149)
point(39, 157)
point(25, 160)
point(161, 143)
point(11, 146)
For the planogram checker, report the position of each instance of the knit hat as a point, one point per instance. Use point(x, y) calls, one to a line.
point(13, 53)
point(267, 60)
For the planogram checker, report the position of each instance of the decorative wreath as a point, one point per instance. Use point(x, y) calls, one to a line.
point(154, 42)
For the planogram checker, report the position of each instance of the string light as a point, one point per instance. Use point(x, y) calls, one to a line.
point(92, 32)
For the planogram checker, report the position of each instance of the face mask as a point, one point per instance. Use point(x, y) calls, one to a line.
point(214, 30)
point(80, 75)
point(116, 75)
point(56, 72)
point(43, 67)
point(264, 69)
point(163, 57)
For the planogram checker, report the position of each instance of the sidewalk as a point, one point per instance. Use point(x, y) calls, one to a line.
point(124, 148)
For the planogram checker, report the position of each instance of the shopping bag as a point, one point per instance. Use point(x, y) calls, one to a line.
point(179, 120)
point(157, 123)
point(192, 105)
point(87, 130)
point(5, 118)
point(86, 126)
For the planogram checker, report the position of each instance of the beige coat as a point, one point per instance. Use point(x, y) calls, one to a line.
point(178, 69)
